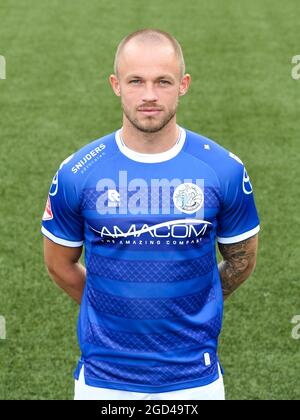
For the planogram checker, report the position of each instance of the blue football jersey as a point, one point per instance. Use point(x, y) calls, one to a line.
point(152, 307)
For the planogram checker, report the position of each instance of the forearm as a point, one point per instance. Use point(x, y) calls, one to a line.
point(232, 277)
point(238, 264)
point(71, 279)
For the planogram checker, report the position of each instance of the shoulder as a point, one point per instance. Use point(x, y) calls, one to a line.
point(73, 172)
point(75, 168)
point(222, 161)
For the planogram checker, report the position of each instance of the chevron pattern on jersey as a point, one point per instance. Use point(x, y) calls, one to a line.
point(89, 197)
point(137, 308)
point(150, 375)
point(148, 343)
point(150, 271)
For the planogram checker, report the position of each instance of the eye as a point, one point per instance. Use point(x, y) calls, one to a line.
point(164, 82)
point(134, 81)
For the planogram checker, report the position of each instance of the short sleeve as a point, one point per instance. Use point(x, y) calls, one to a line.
point(238, 218)
point(62, 221)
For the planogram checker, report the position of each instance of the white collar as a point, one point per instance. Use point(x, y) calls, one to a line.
point(151, 157)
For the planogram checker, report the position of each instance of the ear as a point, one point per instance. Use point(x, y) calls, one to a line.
point(114, 82)
point(185, 84)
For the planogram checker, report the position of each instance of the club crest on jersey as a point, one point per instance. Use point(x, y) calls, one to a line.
point(188, 198)
point(48, 215)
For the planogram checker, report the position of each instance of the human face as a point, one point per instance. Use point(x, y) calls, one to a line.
point(149, 84)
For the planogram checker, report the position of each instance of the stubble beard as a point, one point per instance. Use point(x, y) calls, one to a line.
point(147, 127)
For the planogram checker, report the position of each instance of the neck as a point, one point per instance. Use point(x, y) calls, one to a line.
point(158, 142)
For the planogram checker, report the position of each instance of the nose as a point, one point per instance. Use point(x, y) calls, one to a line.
point(149, 93)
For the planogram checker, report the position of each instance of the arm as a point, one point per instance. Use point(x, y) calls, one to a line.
point(238, 263)
point(63, 267)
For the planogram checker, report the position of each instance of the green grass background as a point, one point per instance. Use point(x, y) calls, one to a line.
point(56, 98)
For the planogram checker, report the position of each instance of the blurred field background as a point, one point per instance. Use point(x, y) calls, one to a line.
point(56, 98)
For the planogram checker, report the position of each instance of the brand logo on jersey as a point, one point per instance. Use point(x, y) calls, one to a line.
point(54, 186)
point(181, 228)
point(188, 198)
point(48, 215)
point(89, 157)
point(247, 187)
point(149, 196)
point(113, 198)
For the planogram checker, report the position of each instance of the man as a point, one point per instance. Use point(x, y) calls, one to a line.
point(149, 202)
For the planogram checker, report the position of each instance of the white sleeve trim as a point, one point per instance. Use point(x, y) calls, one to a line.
point(239, 238)
point(60, 241)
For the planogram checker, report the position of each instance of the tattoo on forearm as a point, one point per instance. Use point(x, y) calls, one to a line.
point(238, 263)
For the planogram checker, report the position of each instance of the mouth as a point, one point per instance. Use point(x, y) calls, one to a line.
point(150, 111)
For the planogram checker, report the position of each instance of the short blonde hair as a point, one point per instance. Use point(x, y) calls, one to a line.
point(155, 35)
